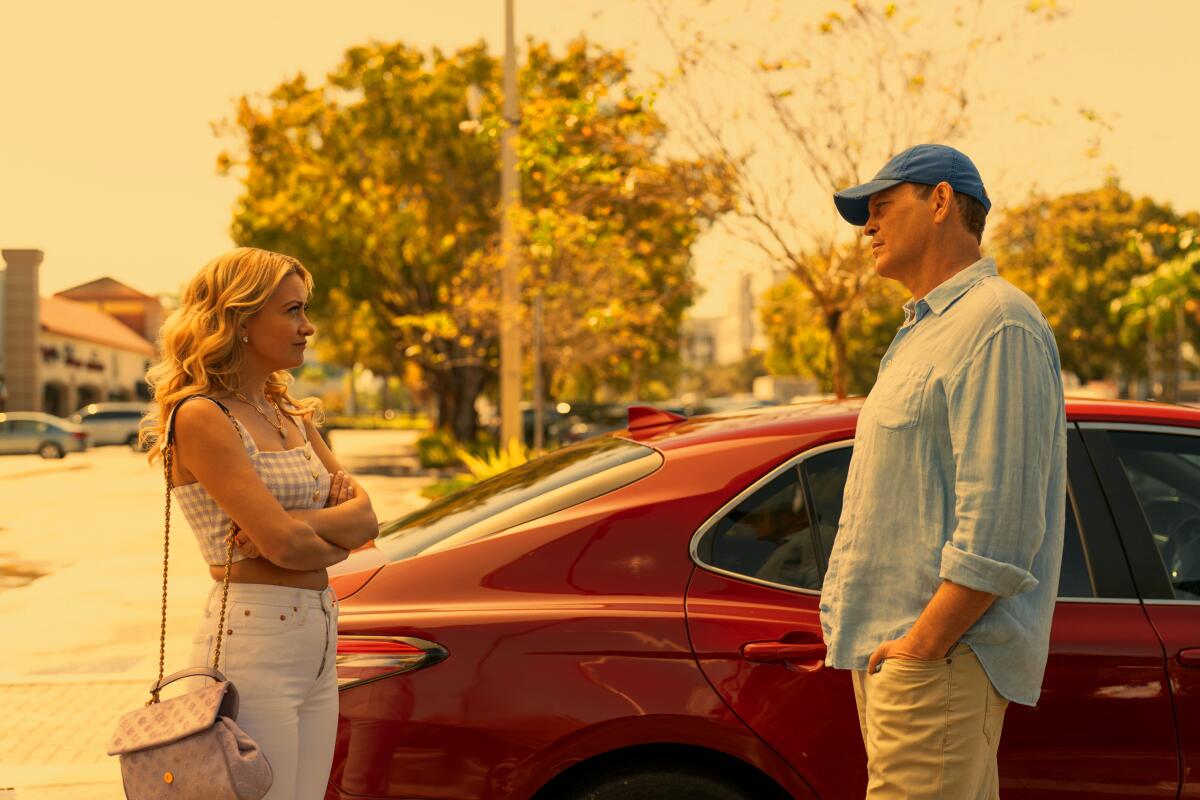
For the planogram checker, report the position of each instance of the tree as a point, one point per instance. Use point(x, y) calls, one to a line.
point(821, 106)
point(1162, 308)
point(798, 347)
point(1076, 255)
point(386, 187)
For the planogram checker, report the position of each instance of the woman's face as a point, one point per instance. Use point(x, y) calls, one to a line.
point(279, 331)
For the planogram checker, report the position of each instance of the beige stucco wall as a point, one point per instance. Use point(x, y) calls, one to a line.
point(121, 371)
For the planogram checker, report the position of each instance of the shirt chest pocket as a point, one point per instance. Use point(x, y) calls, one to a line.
point(898, 395)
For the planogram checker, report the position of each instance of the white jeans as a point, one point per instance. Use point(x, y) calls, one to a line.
point(279, 650)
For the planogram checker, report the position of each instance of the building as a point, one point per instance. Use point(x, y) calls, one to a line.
point(139, 312)
point(726, 339)
point(88, 344)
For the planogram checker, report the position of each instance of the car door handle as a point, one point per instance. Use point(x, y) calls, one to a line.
point(1189, 657)
point(767, 652)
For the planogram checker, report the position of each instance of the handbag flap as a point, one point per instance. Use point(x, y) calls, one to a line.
point(169, 720)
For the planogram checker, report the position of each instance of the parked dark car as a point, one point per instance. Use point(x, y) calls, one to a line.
point(620, 618)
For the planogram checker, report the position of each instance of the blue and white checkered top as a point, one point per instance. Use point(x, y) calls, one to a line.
point(296, 477)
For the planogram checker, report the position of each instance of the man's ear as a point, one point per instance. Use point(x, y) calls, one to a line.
point(943, 200)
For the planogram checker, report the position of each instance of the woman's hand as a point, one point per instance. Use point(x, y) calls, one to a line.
point(246, 547)
point(341, 489)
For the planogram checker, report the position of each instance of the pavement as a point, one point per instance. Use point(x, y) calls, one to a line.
point(80, 545)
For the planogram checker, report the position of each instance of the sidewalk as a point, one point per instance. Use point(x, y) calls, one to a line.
point(56, 733)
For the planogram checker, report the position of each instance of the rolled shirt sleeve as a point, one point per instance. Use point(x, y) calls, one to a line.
point(1003, 404)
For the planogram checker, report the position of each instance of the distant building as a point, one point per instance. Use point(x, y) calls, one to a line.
point(726, 339)
point(139, 312)
point(88, 344)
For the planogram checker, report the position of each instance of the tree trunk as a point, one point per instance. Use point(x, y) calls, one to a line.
point(456, 389)
point(833, 323)
point(352, 390)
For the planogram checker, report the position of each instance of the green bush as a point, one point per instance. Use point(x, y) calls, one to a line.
point(487, 463)
point(494, 461)
point(448, 486)
point(437, 449)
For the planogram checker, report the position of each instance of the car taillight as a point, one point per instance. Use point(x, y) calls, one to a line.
point(79, 436)
point(363, 659)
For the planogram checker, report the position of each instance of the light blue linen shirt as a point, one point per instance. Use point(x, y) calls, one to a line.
point(959, 474)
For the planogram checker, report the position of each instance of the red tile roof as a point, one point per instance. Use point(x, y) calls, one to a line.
point(104, 289)
point(79, 321)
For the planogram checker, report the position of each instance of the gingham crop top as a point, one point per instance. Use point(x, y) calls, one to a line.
point(296, 477)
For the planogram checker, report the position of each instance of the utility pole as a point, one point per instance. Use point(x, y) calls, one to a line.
point(510, 196)
point(539, 392)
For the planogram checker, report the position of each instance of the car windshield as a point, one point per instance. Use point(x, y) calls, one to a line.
point(555, 481)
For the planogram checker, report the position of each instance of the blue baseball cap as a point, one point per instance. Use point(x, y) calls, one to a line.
point(929, 164)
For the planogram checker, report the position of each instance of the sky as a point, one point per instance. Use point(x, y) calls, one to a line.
point(107, 153)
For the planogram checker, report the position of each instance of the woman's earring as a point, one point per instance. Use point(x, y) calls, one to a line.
point(246, 339)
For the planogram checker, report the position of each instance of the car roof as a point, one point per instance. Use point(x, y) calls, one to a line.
point(92, 408)
point(834, 417)
point(38, 415)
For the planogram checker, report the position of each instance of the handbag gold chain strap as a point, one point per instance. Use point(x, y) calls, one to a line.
point(168, 459)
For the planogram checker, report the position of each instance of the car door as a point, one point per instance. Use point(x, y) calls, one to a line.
point(25, 435)
point(8, 438)
point(103, 427)
point(1103, 724)
point(1151, 476)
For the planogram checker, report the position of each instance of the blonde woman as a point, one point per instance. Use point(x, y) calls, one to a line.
point(246, 450)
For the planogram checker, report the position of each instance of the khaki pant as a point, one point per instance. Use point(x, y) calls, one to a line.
point(931, 728)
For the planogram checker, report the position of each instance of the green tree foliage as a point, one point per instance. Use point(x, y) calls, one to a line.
point(1078, 254)
point(1163, 308)
point(383, 183)
point(799, 346)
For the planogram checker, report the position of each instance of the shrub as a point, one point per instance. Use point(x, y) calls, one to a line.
point(483, 466)
point(436, 449)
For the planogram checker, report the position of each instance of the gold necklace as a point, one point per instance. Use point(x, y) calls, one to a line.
point(277, 424)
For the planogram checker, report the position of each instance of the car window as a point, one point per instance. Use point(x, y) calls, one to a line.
point(28, 426)
point(111, 416)
point(557, 480)
point(824, 478)
point(1164, 471)
point(767, 536)
point(1075, 578)
point(825, 474)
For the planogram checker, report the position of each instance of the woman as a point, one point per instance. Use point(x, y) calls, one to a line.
point(245, 449)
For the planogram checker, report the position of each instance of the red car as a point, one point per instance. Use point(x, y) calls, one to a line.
point(636, 616)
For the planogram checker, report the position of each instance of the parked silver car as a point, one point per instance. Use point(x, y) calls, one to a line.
point(45, 434)
point(111, 423)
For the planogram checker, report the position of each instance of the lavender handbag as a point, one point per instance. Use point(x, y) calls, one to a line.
point(189, 747)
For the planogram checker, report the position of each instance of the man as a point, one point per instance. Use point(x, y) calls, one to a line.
point(943, 576)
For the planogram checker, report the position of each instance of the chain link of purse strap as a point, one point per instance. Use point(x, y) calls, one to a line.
point(168, 460)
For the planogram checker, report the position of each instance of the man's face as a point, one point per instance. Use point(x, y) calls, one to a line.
point(900, 226)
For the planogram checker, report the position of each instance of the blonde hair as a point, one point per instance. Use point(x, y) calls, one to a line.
point(202, 352)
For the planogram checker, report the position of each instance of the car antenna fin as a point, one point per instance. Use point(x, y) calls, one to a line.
point(642, 417)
